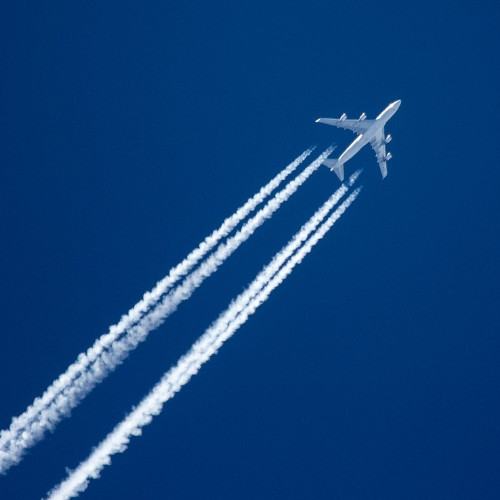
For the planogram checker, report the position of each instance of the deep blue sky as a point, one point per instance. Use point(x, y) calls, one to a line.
point(129, 130)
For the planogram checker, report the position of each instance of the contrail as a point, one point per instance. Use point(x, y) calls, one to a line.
point(13, 442)
point(118, 351)
point(91, 367)
point(202, 350)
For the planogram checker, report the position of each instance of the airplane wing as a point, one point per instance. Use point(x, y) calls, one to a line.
point(356, 126)
point(378, 145)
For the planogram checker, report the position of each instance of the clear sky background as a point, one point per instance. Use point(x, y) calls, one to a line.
point(130, 130)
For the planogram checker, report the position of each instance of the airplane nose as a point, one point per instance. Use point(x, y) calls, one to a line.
point(396, 104)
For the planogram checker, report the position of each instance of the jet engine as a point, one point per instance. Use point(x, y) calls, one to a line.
point(388, 156)
point(362, 117)
point(388, 139)
point(342, 118)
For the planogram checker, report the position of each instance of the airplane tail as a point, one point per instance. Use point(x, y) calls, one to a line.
point(336, 167)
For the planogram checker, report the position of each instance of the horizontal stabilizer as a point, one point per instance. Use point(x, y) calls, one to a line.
point(336, 167)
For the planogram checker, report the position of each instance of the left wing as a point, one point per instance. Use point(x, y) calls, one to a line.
point(356, 126)
point(378, 145)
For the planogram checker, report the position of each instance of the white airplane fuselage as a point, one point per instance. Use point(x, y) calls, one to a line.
point(366, 137)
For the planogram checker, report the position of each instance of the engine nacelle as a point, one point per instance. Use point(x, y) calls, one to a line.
point(388, 139)
point(388, 156)
point(342, 118)
point(362, 117)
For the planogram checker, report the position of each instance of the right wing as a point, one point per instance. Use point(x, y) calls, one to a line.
point(378, 145)
point(356, 126)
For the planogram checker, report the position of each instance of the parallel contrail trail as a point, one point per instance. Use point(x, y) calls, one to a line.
point(201, 351)
point(90, 368)
point(119, 350)
point(12, 441)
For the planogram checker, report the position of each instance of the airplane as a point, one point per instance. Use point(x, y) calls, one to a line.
point(369, 131)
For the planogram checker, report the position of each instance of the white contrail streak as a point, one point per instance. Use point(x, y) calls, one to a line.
point(91, 367)
point(118, 351)
point(15, 440)
point(205, 347)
